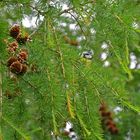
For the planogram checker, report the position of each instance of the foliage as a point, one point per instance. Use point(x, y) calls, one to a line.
point(61, 85)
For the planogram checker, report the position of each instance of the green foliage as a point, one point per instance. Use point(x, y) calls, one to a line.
point(60, 85)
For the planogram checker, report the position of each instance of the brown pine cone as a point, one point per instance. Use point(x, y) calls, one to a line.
point(14, 31)
point(114, 130)
point(102, 107)
point(22, 55)
point(11, 60)
point(12, 47)
point(16, 67)
point(110, 122)
point(110, 127)
point(13, 44)
point(106, 114)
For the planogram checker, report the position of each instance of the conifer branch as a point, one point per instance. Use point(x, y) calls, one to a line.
point(86, 103)
point(15, 128)
point(31, 85)
point(124, 66)
point(87, 95)
point(52, 105)
point(117, 95)
point(90, 83)
point(83, 126)
point(59, 51)
point(69, 83)
point(127, 50)
point(122, 22)
point(69, 106)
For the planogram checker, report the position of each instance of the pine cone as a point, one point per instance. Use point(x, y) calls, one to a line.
point(114, 130)
point(23, 55)
point(107, 120)
point(102, 107)
point(110, 122)
point(12, 47)
point(110, 127)
point(16, 67)
point(15, 30)
point(105, 114)
point(11, 60)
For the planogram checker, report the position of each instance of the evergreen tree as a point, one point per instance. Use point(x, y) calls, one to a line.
point(72, 73)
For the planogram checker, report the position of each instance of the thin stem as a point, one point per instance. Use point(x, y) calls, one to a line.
point(86, 102)
point(76, 19)
point(36, 9)
point(124, 65)
point(52, 105)
point(66, 11)
point(59, 52)
point(90, 83)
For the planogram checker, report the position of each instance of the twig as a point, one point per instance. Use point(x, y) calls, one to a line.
point(124, 65)
point(36, 9)
point(52, 106)
point(34, 32)
point(90, 83)
point(78, 24)
point(66, 11)
point(59, 52)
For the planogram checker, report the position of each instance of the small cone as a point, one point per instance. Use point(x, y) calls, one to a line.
point(16, 67)
point(11, 60)
point(14, 31)
point(12, 47)
point(23, 55)
point(114, 130)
